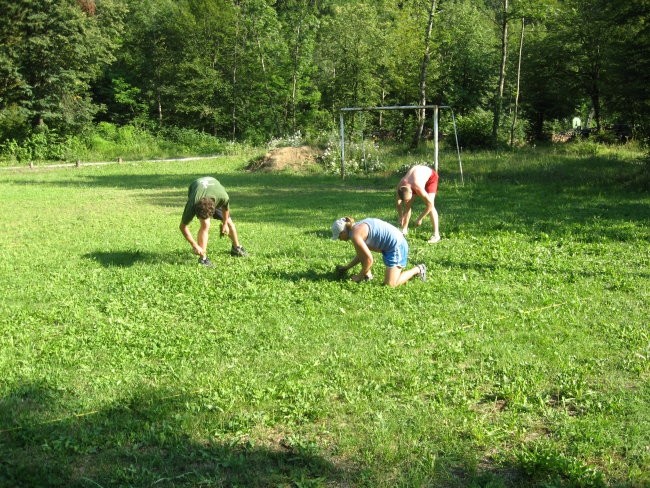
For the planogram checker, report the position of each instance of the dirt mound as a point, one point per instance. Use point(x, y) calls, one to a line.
point(294, 158)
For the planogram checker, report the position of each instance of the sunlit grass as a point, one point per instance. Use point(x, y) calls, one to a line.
point(523, 361)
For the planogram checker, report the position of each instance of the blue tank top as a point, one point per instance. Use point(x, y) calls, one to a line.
point(382, 235)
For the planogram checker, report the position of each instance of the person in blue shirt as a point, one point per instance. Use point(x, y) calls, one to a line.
point(379, 236)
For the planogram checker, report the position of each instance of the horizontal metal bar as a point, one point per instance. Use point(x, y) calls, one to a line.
point(401, 107)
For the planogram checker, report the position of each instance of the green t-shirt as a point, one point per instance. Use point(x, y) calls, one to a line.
point(206, 187)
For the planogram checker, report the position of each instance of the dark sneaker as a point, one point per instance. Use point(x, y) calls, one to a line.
point(238, 251)
point(206, 262)
point(423, 271)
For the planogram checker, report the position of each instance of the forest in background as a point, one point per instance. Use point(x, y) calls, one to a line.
point(514, 71)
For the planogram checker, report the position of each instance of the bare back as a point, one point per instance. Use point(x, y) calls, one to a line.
point(416, 177)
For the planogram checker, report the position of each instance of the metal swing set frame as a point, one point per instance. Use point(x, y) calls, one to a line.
point(436, 112)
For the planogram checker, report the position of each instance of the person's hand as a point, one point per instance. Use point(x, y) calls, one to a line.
point(198, 250)
point(357, 278)
point(225, 229)
point(418, 222)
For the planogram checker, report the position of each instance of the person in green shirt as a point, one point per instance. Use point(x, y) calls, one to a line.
point(206, 199)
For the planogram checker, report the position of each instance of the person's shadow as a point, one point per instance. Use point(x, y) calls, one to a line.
point(310, 275)
point(128, 258)
point(142, 441)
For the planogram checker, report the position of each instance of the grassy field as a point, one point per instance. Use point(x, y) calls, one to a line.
point(523, 361)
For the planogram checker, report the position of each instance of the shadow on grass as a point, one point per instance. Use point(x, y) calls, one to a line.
point(128, 258)
point(142, 442)
point(309, 275)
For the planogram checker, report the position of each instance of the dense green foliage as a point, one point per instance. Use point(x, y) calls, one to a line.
point(250, 70)
point(523, 361)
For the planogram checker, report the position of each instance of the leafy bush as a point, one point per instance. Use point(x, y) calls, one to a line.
point(41, 145)
point(360, 157)
point(14, 123)
point(107, 141)
point(475, 129)
point(106, 130)
point(583, 147)
point(295, 140)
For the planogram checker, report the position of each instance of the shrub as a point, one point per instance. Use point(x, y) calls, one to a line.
point(475, 129)
point(360, 157)
point(106, 131)
point(14, 123)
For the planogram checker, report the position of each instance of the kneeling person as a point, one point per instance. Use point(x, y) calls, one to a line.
point(206, 199)
point(379, 236)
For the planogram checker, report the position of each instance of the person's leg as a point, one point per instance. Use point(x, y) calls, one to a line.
point(234, 238)
point(434, 221)
point(431, 188)
point(406, 220)
point(395, 276)
point(203, 235)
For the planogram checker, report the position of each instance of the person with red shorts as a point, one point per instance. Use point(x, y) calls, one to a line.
point(423, 181)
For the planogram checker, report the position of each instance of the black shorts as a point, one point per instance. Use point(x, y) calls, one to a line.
point(218, 214)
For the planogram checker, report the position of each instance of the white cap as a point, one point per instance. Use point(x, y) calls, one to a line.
point(337, 227)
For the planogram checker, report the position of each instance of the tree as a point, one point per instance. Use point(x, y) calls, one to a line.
point(256, 65)
point(154, 47)
point(627, 87)
point(350, 44)
point(502, 18)
point(550, 90)
point(516, 108)
point(300, 27)
point(205, 92)
point(586, 32)
point(468, 57)
point(51, 52)
point(426, 57)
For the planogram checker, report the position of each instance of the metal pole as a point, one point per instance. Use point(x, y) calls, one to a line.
point(435, 138)
point(395, 107)
point(342, 130)
point(460, 164)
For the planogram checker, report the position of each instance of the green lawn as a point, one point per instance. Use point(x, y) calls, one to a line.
point(523, 361)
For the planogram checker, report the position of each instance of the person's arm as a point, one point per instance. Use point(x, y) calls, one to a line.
point(350, 265)
point(398, 206)
point(225, 215)
point(364, 256)
point(419, 190)
point(428, 209)
point(185, 230)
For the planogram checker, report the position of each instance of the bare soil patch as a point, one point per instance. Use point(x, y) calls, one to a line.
point(281, 158)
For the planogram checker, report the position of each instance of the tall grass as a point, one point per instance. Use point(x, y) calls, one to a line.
point(523, 361)
point(108, 142)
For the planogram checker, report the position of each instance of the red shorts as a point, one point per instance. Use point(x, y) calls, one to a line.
point(431, 185)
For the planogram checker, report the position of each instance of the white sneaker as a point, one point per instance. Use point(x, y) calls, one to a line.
point(434, 239)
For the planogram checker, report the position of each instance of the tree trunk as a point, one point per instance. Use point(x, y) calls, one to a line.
point(160, 115)
point(234, 76)
point(521, 50)
point(234, 101)
point(294, 78)
point(381, 112)
point(502, 73)
point(595, 102)
point(423, 76)
point(595, 87)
